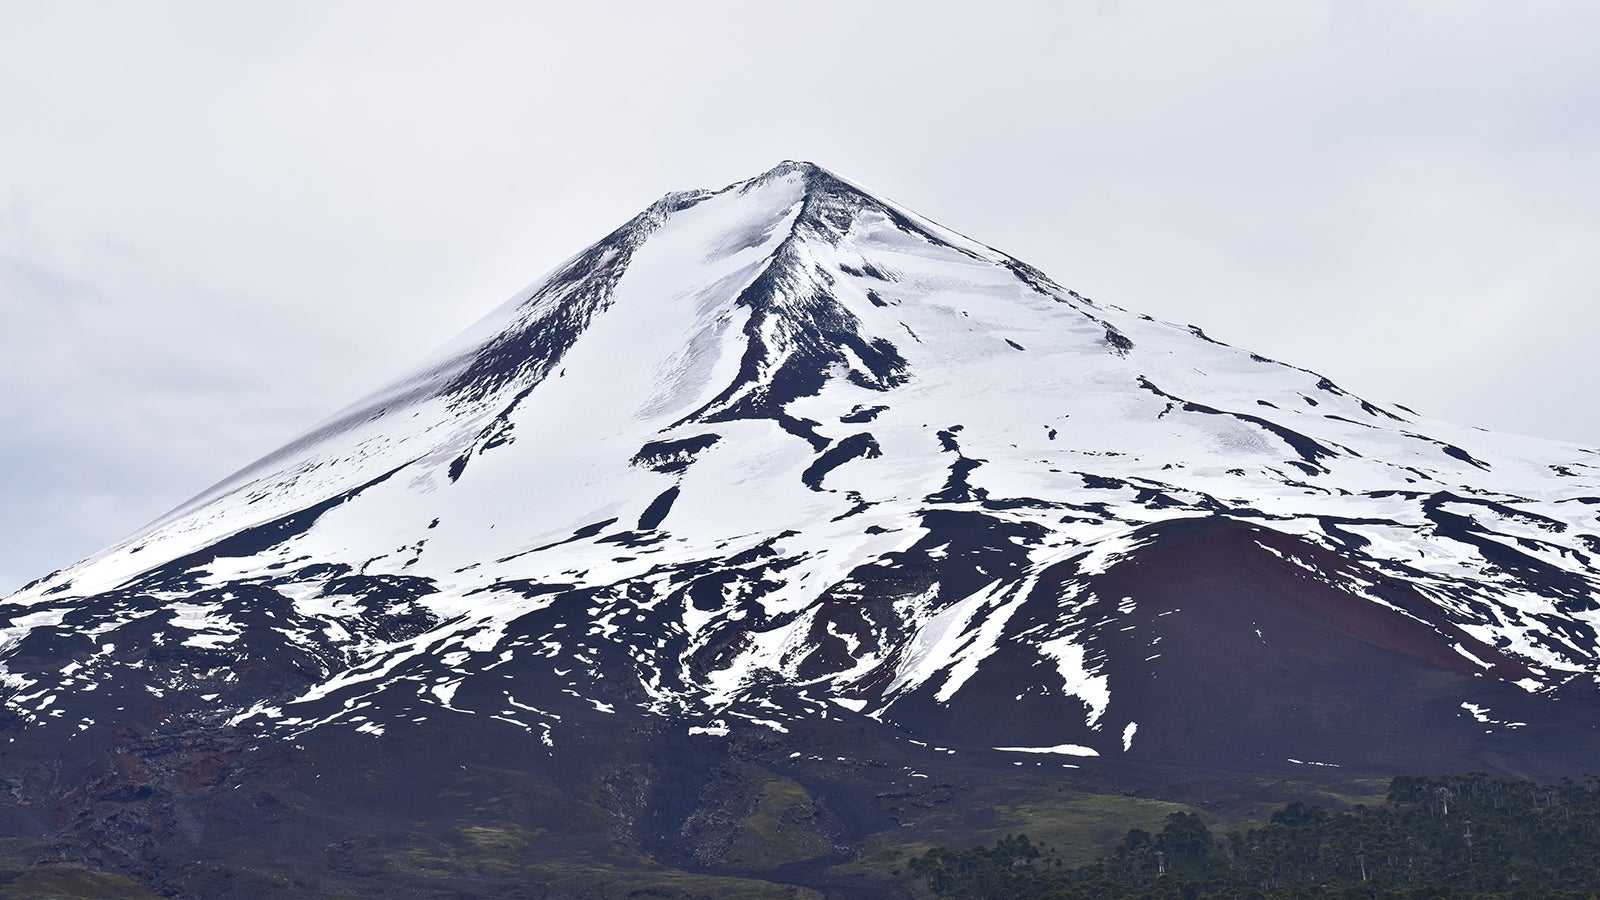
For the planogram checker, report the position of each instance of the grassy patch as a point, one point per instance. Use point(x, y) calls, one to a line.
point(599, 883)
point(1079, 826)
point(63, 881)
point(783, 828)
point(499, 849)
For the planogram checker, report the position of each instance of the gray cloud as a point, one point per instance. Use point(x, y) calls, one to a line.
point(220, 222)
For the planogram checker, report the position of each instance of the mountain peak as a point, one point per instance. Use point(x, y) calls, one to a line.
point(830, 202)
point(805, 168)
point(811, 173)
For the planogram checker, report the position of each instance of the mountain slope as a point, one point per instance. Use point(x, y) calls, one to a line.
point(787, 457)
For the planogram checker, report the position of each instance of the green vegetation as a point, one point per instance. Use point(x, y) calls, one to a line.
point(1468, 836)
point(595, 883)
point(1082, 824)
point(1081, 821)
point(783, 828)
point(67, 881)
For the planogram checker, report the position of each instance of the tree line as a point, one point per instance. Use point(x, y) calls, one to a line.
point(1457, 836)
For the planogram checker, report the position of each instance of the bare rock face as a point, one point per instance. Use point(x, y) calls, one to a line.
point(780, 518)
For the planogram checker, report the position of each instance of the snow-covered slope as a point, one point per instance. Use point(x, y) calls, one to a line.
point(788, 451)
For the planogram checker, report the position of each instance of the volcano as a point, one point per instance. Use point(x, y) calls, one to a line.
point(779, 520)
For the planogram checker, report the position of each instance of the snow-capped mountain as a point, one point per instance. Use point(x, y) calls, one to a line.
point(786, 454)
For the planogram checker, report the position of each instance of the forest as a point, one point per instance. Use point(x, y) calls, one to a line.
point(1460, 836)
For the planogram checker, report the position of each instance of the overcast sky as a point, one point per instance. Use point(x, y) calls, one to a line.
point(219, 222)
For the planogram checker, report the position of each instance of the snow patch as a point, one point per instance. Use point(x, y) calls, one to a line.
point(1063, 749)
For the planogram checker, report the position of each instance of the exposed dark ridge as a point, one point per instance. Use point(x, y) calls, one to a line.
point(523, 586)
point(1030, 276)
point(1544, 523)
point(837, 202)
point(658, 509)
point(1323, 384)
point(956, 488)
point(857, 446)
point(673, 456)
point(570, 299)
point(813, 330)
point(1450, 450)
point(1551, 581)
point(565, 304)
point(1101, 482)
point(388, 587)
point(42, 579)
point(251, 541)
point(861, 414)
point(1349, 540)
point(1309, 450)
point(947, 439)
point(459, 465)
point(1373, 410)
point(1458, 454)
point(1119, 342)
point(587, 531)
point(496, 434)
